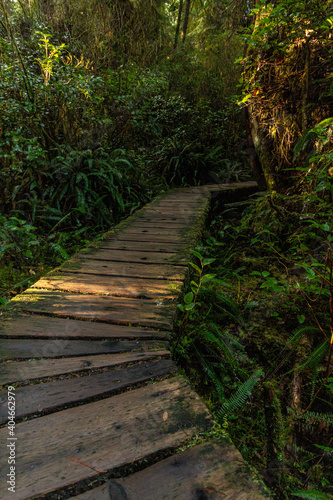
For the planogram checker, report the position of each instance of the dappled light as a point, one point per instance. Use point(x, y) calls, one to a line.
point(166, 190)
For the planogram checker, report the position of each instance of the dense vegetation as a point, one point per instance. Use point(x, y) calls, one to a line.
point(106, 103)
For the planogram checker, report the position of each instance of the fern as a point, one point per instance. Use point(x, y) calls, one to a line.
point(240, 397)
point(314, 418)
point(218, 341)
point(315, 358)
point(312, 495)
point(212, 375)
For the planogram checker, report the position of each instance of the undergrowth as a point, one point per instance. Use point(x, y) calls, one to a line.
point(255, 337)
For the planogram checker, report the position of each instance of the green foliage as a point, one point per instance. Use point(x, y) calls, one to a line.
point(239, 398)
point(311, 495)
point(19, 242)
point(287, 82)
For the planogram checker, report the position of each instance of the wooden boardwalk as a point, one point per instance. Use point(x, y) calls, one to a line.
point(101, 410)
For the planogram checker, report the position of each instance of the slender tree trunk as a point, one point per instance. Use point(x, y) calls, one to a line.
point(186, 17)
point(305, 88)
point(252, 155)
point(178, 22)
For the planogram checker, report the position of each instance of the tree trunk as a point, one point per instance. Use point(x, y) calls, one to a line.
point(178, 22)
point(252, 155)
point(186, 17)
point(263, 147)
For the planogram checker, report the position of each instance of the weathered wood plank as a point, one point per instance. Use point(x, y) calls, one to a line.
point(121, 310)
point(159, 225)
point(45, 327)
point(133, 256)
point(18, 371)
point(125, 269)
point(146, 246)
point(176, 221)
point(224, 187)
point(111, 432)
point(47, 396)
point(110, 285)
point(15, 349)
point(212, 470)
point(152, 232)
point(166, 239)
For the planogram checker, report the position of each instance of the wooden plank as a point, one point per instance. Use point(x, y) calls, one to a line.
point(166, 239)
point(17, 371)
point(48, 396)
point(15, 349)
point(110, 285)
point(212, 470)
point(45, 327)
point(186, 216)
point(125, 269)
point(154, 231)
point(133, 256)
point(150, 220)
point(146, 246)
point(104, 434)
point(150, 313)
point(224, 187)
point(159, 225)
point(171, 223)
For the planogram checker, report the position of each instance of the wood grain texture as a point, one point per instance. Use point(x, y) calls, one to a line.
point(45, 327)
point(146, 246)
point(18, 371)
point(150, 313)
point(47, 396)
point(111, 432)
point(209, 471)
point(15, 349)
point(110, 285)
point(142, 257)
point(168, 272)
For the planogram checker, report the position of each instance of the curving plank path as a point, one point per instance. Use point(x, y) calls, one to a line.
point(101, 410)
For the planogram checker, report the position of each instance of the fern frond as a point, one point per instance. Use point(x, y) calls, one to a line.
point(311, 495)
point(212, 375)
point(315, 357)
point(240, 397)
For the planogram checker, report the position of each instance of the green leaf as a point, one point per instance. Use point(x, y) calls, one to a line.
point(265, 274)
point(188, 307)
point(310, 274)
point(188, 298)
point(301, 318)
point(206, 262)
point(197, 254)
point(326, 448)
point(195, 267)
point(312, 495)
point(181, 307)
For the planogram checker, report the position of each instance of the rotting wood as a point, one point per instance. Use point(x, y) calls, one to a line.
point(110, 285)
point(125, 269)
point(48, 327)
point(18, 371)
point(47, 396)
point(152, 246)
point(213, 470)
point(28, 349)
point(121, 310)
point(111, 433)
point(134, 256)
